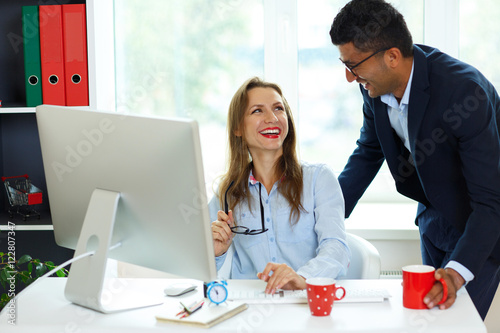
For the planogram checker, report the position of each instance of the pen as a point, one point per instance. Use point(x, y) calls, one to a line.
point(193, 309)
point(196, 309)
point(185, 308)
point(226, 208)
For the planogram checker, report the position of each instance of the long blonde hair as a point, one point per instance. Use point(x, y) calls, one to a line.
point(287, 167)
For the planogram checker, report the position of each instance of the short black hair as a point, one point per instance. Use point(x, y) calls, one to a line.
point(371, 25)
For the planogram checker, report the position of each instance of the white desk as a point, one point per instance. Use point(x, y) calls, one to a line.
point(43, 308)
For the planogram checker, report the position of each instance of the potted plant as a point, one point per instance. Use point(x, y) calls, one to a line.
point(15, 275)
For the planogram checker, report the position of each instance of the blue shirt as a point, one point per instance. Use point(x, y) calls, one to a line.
point(314, 246)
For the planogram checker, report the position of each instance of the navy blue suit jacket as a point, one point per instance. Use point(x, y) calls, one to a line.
point(453, 126)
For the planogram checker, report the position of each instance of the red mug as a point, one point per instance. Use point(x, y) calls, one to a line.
point(417, 282)
point(321, 292)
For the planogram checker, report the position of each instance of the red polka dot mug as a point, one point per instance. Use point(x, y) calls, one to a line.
point(321, 293)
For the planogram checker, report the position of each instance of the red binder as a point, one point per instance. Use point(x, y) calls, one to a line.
point(75, 54)
point(51, 55)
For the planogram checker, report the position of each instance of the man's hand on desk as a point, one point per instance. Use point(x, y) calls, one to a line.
point(454, 281)
point(283, 277)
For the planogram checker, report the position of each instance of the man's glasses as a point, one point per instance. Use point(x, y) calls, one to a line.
point(241, 229)
point(351, 68)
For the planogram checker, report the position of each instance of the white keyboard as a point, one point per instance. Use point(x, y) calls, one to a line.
point(364, 295)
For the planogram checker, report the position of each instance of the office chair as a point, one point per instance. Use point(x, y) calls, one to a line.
point(365, 260)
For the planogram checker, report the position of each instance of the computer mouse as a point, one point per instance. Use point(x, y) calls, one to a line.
point(179, 289)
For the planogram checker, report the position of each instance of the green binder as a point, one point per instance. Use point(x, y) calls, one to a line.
point(32, 67)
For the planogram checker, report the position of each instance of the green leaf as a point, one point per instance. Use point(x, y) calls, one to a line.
point(23, 278)
point(24, 259)
point(28, 281)
point(3, 275)
point(40, 269)
point(4, 297)
point(50, 265)
point(38, 266)
point(60, 273)
point(6, 273)
point(30, 268)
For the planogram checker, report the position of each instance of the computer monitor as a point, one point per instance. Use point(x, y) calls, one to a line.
point(126, 181)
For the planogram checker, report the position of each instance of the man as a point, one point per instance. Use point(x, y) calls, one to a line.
point(435, 120)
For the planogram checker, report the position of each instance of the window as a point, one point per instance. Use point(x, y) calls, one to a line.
point(479, 39)
point(187, 58)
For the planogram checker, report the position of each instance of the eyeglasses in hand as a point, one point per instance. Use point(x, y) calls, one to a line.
point(241, 229)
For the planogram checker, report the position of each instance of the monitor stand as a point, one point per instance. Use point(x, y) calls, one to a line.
point(87, 284)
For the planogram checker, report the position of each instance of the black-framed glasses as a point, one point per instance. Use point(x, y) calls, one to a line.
point(351, 68)
point(241, 229)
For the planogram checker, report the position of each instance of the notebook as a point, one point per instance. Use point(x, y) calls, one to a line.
point(208, 316)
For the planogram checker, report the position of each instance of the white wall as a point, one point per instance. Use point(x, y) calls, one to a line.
point(492, 320)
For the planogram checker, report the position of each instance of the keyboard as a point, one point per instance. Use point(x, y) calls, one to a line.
point(360, 295)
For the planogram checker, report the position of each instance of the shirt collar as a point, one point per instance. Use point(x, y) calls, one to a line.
point(390, 100)
point(253, 181)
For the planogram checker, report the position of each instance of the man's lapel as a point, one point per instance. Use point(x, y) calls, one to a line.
point(419, 96)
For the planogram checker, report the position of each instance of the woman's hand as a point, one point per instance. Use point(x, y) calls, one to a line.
point(283, 277)
point(221, 232)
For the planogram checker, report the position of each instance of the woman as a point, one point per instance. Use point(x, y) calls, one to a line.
point(284, 219)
